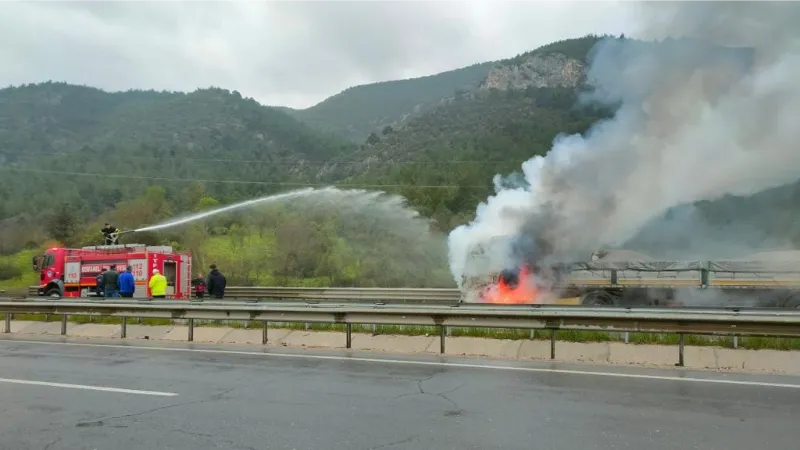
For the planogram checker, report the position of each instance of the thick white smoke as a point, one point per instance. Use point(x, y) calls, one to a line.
point(712, 110)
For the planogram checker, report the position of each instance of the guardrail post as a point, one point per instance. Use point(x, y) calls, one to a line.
point(627, 337)
point(64, 325)
point(442, 334)
point(349, 332)
point(123, 333)
point(735, 341)
point(264, 333)
point(553, 343)
point(191, 330)
point(7, 327)
point(680, 349)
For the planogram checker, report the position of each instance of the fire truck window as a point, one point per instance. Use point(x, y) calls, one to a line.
point(49, 260)
point(170, 272)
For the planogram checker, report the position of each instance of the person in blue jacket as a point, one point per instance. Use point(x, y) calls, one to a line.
point(127, 286)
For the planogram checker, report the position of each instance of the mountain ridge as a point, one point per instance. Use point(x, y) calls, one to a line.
point(363, 114)
point(418, 95)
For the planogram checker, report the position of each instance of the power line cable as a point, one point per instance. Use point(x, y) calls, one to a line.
point(264, 183)
point(262, 161)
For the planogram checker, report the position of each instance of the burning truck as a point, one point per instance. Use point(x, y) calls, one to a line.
point(522, 283)
point(628, 278)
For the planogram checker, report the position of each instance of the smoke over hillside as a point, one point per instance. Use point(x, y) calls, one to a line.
point(710, 111)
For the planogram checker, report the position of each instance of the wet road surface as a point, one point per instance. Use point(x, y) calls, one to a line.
point(68, 394)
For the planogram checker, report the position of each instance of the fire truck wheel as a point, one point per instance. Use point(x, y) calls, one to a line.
point(53, 293)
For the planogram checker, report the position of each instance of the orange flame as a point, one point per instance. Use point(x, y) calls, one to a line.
point(524, 292)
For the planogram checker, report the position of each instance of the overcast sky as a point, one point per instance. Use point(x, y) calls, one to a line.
point(289, 53)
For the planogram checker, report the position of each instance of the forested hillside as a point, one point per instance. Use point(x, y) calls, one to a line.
point(82, 147)
point(444, 160)
point(328, 241)
point(358, 111)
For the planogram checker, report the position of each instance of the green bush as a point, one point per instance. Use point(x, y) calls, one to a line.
point(8, 271)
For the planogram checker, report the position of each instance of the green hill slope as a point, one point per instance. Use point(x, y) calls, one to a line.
point(66, 118)
point(358, 111)
point(444, 160)
point(53, 134)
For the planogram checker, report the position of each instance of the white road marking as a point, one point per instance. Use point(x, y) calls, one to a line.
point(86, 387)
point(426, 363)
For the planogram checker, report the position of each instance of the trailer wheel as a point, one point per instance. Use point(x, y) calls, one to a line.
point(597, 298)
point(53, 293)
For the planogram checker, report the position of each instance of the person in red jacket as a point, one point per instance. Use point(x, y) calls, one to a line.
point(199, 285)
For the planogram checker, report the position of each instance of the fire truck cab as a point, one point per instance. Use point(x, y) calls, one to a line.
point(67, 272)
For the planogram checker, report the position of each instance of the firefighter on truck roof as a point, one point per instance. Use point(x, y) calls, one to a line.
point(110, 234)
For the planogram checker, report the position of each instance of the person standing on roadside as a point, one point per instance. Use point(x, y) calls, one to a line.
point(100, 283)
point(111, 282)
point(199, 286)
point(127, 285)
point(215, 284)
point(158, 285)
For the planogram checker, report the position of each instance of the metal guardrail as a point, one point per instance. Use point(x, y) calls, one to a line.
point(753, 322)
point(375, 295)
point(393, 295)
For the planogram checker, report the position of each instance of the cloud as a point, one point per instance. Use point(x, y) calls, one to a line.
point(289, 53)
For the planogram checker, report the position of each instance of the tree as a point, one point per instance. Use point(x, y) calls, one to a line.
point(373, 139)
point(63, 224)
point(191, 195)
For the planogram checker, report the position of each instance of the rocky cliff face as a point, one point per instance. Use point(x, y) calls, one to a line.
point(536, 70)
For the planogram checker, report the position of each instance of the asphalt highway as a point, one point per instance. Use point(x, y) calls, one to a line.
point(78, 394)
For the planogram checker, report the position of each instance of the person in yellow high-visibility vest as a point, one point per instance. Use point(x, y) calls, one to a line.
point(157, 285)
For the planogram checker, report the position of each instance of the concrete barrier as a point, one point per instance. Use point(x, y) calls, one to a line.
point(613, 353)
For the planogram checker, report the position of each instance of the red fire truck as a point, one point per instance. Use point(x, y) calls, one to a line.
point(68, 272)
